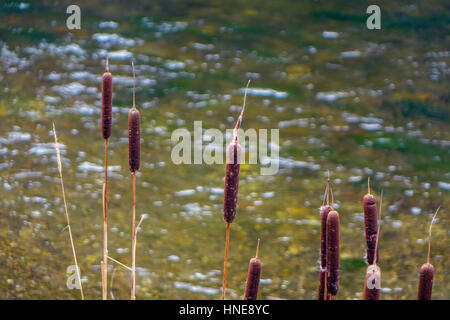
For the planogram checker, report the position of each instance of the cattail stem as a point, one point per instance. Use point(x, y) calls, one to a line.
point(133, 249)
point(225, 263)
point(105, 226)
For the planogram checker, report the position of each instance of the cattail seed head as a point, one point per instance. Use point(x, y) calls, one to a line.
point(426, 282)
point(134, 139)
point(370, 226)
point(372, 283)
point(107, 92)
point(231, 181)
point(333, 252)
point(253, 277)
point(324, 211)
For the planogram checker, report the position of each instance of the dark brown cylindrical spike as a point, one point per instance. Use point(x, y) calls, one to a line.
point(333, 252)
point(134, 139)
point(372, 283)
point(253, 277)
point(370, 226)
point(426, 282)
point(231, 181)
point(324, 211)
point(107, 93)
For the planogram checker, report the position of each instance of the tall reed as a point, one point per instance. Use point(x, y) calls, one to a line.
point(426, 277)
point(106, 120)
point(253, 277)
point(373, 274)
point(58, 157)
point(333, 253)
point(325, 209)
point(134, 154)
point(370, 224)
point(233, 158)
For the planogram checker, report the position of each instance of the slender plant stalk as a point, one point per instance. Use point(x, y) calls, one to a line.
point(58, 156)
point(133, 249)
point(105, 227)
point(133, 297)
point(429, 235)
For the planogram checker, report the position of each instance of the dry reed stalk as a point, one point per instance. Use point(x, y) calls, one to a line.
point(106, 120)
point(370, 224)
point(133, 289)
point(426, 277)
point(231, 186)
point(58, 157)
point(253, 277)
point(134, 153)
point(333, 253)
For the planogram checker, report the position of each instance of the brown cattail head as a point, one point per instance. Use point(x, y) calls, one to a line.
point(372, 283)
point(107, 92)
point(134, 139)
point(253, 277)
point(370, 226)
point(232, 170)
point(324, 211)
point(231, 181)
point(333, 252)
point(426, 282)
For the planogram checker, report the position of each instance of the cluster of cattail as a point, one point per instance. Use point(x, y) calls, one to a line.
point(329, 217)
point(134, 161)
point(329, 248)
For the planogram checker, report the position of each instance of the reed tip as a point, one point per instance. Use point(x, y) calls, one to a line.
point(368, 185)
point(429, 234)
point(134, 84)
point(239, 121)
point(107, 64)
point(257, 248)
